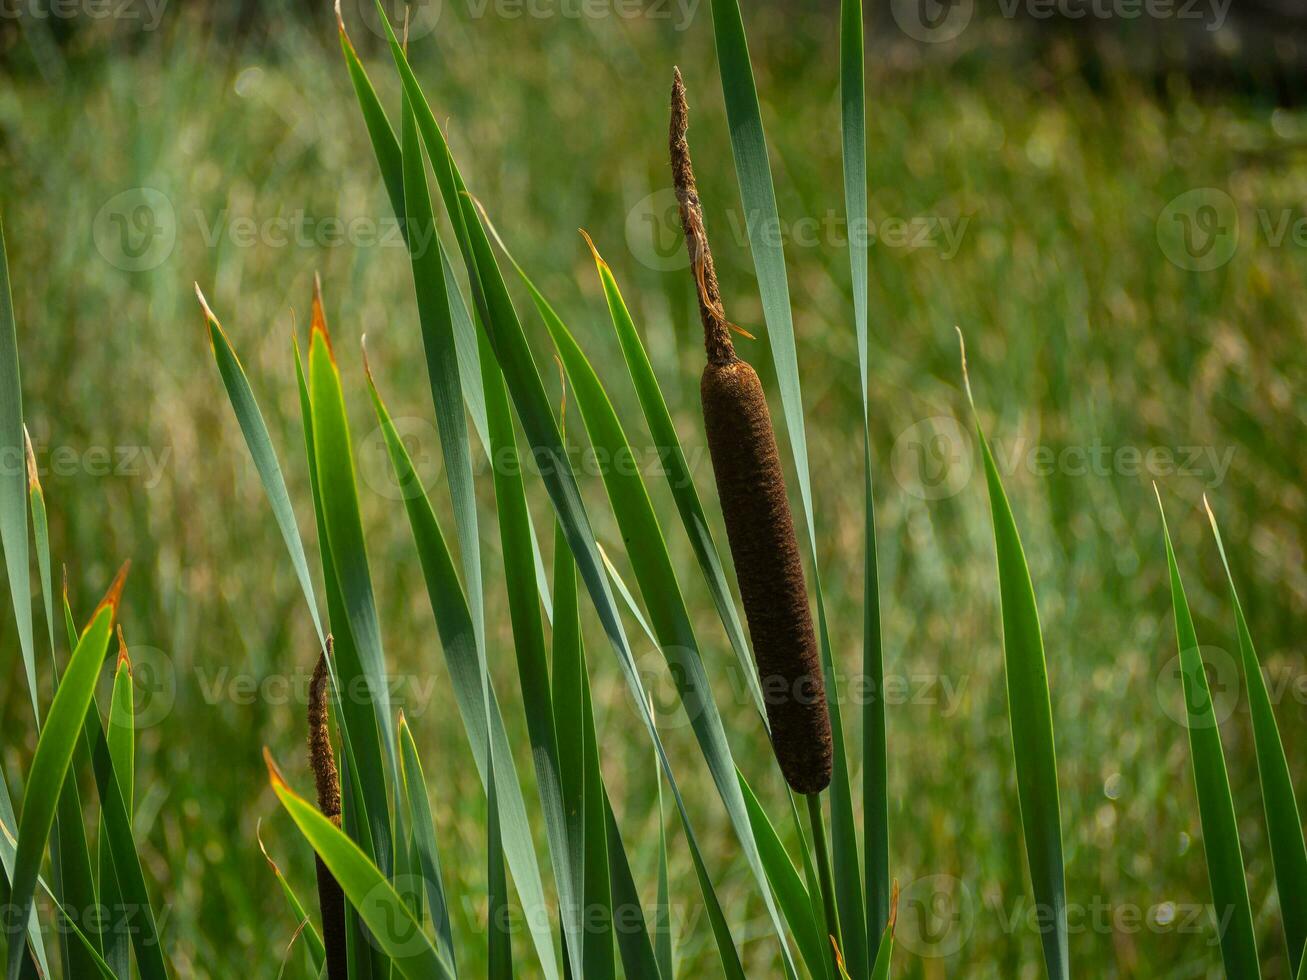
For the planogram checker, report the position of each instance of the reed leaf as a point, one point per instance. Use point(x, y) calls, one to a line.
point(1225, 869)
point(1030, 715)
point(1280, 805)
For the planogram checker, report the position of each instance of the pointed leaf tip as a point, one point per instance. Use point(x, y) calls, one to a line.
point(318, 324)
point(113, 597)
point(599, 259)
point(124, 658)
point(274, 771)
point(33, 473)
point(258, 836)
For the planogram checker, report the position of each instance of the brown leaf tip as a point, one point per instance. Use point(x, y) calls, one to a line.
point(124, 658)
point(33, 473)
point(318, 324)
point(113, 597)
point(599, 259)
point(274, 771)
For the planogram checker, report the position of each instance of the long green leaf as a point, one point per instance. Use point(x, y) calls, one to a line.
point(791, 893)
point(875, 762)
point(1225, 870)
point(467, 671)
point(1030, 714)
point(334, 462)
point(54, 754)
point(630, 927)
point(1283, 823)
point(122, 750)
point(424, 834)
point(389, 920)
point(13, 480)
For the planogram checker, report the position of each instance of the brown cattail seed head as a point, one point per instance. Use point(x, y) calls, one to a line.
point(322, 761)
point(759, 524)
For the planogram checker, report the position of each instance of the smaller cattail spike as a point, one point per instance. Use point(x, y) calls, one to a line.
point(327, 781)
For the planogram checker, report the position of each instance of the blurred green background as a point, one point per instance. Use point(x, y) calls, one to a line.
point(1120, 238)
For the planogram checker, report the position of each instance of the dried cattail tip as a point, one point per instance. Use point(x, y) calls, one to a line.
point(759, 524)
point(327, 781)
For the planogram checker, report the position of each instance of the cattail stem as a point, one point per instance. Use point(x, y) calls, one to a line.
point(326, 779)
point(759, 524)
point(824, 876)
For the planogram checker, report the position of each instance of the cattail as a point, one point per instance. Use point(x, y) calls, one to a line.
point(759, 525)
point(323, 763)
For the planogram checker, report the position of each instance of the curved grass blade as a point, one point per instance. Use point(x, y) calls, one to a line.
point(41, 535)
point(1283, 823)
point(467, 671)
point(677, 470)
point(1030, 713)
point(753, 173)
point(791, 893)
point(13, 487)
point(388, 919)
point(66, 914)
point(122, 751)
point(438, 342)
point(317, 953)
point(875, 760)
point(630, 927)
point(259, 443)
point(424, 836)
point(334, 462)
point(1225, 870)
point(588, 925)
point(37, 964)
point(54, 755)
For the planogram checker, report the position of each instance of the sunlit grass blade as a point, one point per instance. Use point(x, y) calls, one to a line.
point(1030, 715)
point(656, 578)
point(1225, 870)
point(389, 921)
point(316, 952)
point(443, 368)
point(884, 953)
point(41, 536)
point(68, 919)
point(334, 462)
point(259, 444)
point(875, 762)
point(791, 893)
point(424, 835)
point(663, 911)
point(466, 664)
point(638, 956)
point(13, 487)
point(54, 754)
point(36, 958)
point(121, 736)
point(1283, 823)
point(677, 470)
